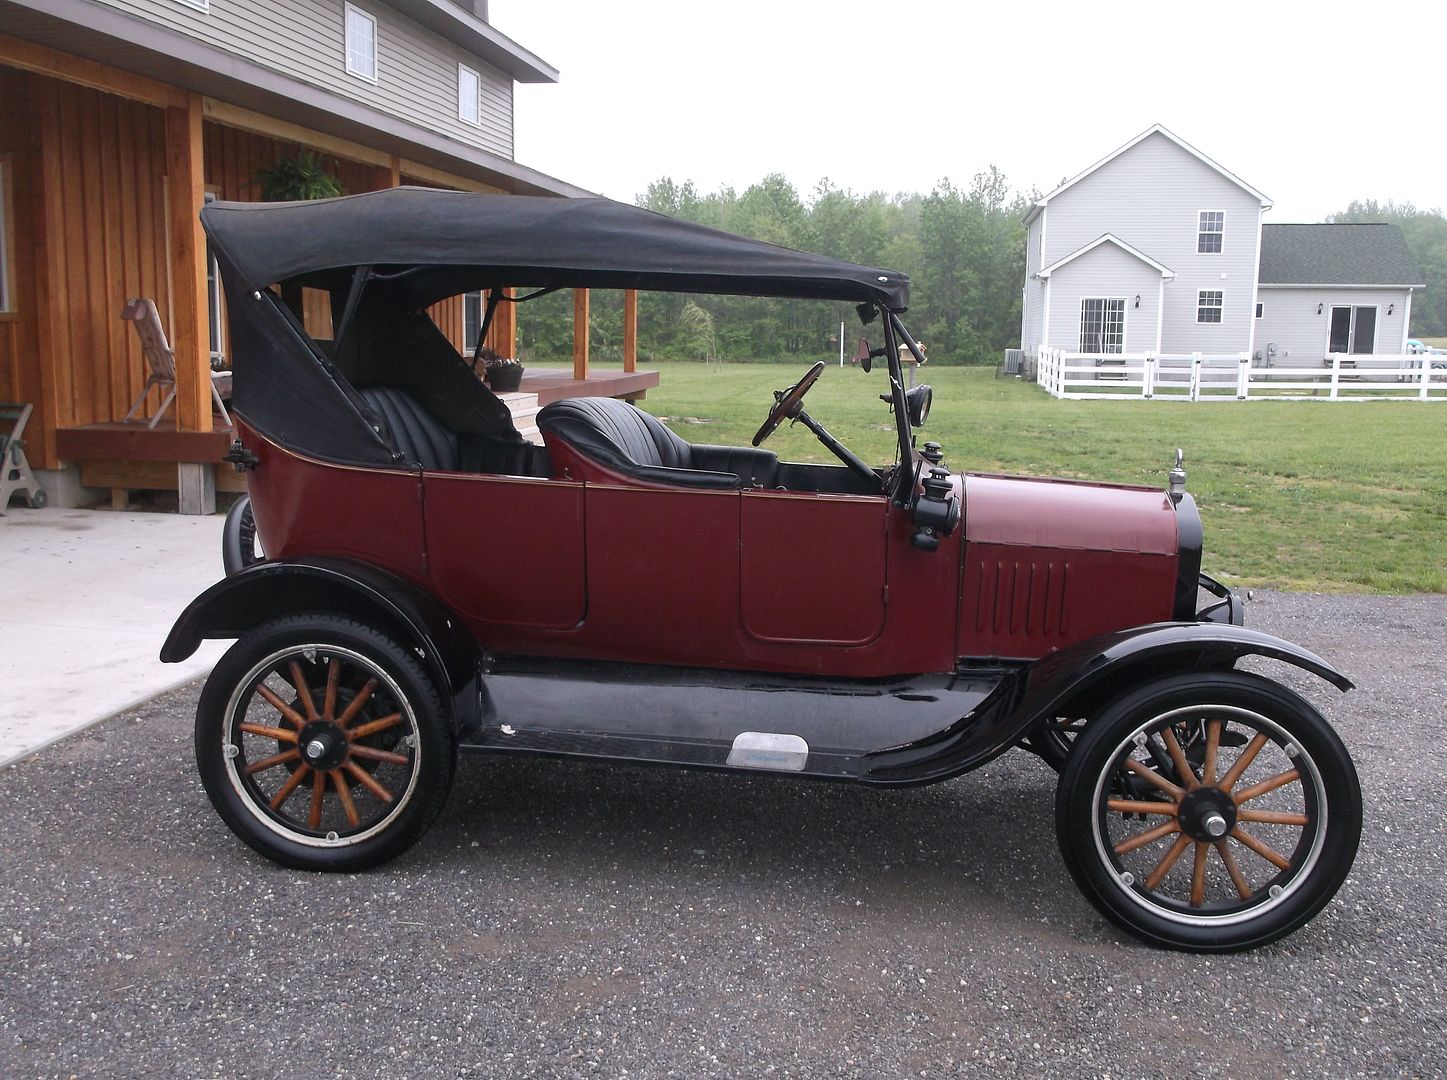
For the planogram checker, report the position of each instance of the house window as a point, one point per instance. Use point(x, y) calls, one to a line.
point(1258, 311)
point(7, 242)
point(469, 96)
point(1209, 231)
point(1209, 303)
point(1102, 325)
point(361, 44)
point(471, 320)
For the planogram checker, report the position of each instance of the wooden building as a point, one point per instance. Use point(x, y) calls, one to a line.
point(119, 118)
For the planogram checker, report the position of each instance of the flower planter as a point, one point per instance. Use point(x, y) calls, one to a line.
point(503, 380)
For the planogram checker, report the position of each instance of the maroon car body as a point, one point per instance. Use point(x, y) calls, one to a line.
point(432, 583)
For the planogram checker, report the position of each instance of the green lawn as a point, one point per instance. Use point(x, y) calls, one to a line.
point(1306, 495)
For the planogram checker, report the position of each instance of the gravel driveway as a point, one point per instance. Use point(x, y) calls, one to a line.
point(568, 919)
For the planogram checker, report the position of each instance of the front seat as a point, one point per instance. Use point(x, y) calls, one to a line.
point(626, 440)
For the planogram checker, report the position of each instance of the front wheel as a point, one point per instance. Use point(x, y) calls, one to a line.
point(323, 744)
point(1209, 812)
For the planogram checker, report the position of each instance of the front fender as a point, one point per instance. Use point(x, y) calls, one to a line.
point(1075, 680)
point(335, 586)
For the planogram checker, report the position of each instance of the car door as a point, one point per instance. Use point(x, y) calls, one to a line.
point(813, 567)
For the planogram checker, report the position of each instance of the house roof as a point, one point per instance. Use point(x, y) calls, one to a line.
point(1154, 129)
point(1109, 238)
point(1337, 254)
point(462, 28)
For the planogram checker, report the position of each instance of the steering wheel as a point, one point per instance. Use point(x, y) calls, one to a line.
point(786, 407)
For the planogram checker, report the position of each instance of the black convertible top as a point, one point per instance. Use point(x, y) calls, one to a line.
point(453, 241)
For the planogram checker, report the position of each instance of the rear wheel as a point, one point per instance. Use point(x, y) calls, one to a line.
point(323, 744)
point(240, 547)
point(1209, 812)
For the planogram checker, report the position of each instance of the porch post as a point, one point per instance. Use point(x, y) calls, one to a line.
point(630, 330)
point(189, 332)
point(580, 333)
point(390, 174)
point(505, 328)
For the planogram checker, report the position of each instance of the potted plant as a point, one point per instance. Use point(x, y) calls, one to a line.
point(502, 373)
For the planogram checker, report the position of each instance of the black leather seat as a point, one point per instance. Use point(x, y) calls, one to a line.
point(627, 440)
point(412, 429)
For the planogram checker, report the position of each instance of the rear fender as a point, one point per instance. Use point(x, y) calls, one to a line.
point(1075, 682)
point(238, 604)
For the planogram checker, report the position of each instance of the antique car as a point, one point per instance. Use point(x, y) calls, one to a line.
point(711, 607)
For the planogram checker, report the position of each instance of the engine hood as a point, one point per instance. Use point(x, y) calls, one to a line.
point(1068, 515)
point(1048, 563)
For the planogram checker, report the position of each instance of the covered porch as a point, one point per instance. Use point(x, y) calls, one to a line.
point(102, 174)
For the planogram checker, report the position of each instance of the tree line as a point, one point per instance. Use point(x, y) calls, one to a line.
point(963, 247)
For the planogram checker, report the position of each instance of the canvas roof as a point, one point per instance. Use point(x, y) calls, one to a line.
point(451, 242)
point(1337, 254)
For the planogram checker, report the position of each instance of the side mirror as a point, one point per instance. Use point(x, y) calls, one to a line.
point(862, 356)
point(917, 401)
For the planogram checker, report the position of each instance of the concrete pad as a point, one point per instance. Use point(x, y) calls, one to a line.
point(87, 598)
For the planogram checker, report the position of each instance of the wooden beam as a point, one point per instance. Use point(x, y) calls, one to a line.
point(580, 333)
point(150, 476)
point(447, 179)
point(52, 296)
point(74, 69)
point(284, 130)
point(502, 335)
point(630, 329)
point(189, 329)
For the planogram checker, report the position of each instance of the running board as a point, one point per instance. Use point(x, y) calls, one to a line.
point(703, 718)
point(750, 752)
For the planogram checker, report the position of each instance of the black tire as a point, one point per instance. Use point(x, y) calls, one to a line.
point(318, 779)
point(239, 546)
point(1125, 835)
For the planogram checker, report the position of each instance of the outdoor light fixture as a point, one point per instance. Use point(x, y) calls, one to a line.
point(1137, 299)
point(1391, 308)
point(1318, 308)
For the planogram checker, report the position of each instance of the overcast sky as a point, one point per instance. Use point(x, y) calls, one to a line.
point(1312, 104)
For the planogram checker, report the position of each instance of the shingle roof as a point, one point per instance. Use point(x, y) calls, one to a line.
point(1337, 254)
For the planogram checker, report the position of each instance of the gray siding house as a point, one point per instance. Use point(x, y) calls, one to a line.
point(1333, 289)
point(1157, 248)
point(1154, 247)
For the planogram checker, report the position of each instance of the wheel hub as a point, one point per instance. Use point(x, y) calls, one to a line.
point(1207, 814)
point(323, 745)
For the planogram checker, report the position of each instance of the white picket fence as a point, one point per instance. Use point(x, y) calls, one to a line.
point(1235, 377)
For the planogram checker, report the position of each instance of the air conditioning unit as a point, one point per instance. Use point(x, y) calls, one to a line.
point(1014, 362)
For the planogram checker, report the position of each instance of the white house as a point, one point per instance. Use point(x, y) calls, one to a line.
point(1157, 248)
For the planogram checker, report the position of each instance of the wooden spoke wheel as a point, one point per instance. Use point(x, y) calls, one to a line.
point(1209, 812)
point(322, 743)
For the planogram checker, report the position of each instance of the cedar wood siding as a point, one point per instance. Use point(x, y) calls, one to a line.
point(1106, 271)
point(1150, 196)
point(89, 213)
point(306, 39)
point(19, 350)
point(1033, 307)
point(1289, 320)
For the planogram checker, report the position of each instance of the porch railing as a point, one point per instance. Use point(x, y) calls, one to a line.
point(1236, 377)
